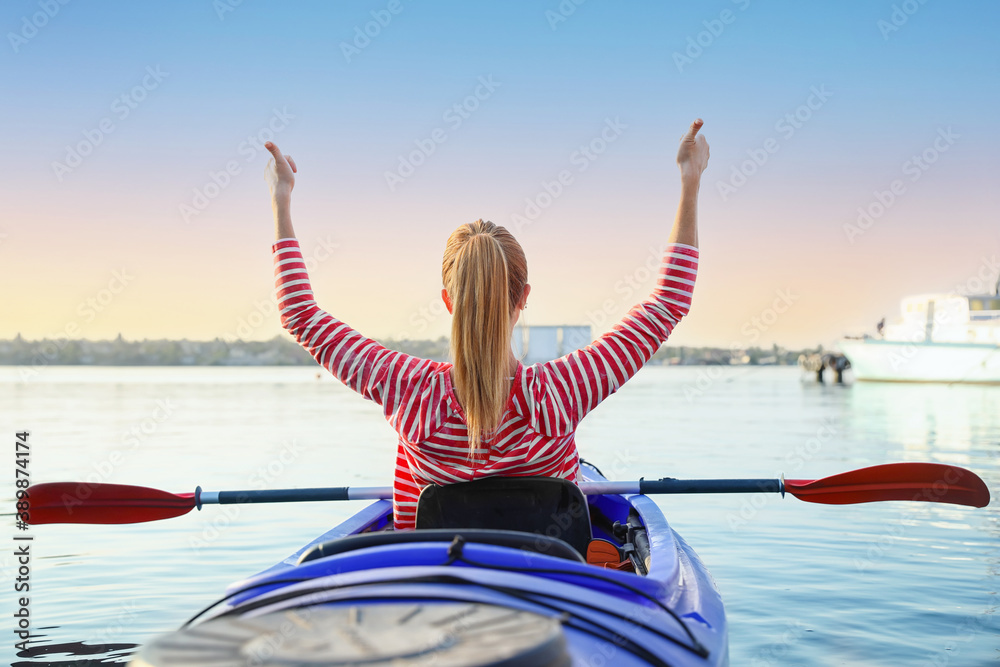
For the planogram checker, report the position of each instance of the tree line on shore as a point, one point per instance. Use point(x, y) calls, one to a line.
point(283, 351)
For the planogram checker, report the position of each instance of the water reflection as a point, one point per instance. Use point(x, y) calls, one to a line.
point(40, 654)
point(944, 423)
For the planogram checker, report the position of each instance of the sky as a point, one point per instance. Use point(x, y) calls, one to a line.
point(853, 159)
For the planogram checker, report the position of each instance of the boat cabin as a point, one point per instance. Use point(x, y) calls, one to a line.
point(984, 307)
point(947, 318)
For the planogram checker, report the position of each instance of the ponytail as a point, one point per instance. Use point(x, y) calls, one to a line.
point(484, 272)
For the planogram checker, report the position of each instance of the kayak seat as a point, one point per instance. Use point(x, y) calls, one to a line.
point(501, 538)
point(549, 506)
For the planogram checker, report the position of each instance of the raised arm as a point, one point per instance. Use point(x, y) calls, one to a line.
point(692, 158)
point(379, 374)
point(584, 378)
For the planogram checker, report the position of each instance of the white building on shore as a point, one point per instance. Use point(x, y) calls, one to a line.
point(534, 344)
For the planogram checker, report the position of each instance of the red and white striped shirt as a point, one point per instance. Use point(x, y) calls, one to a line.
point(547, 400)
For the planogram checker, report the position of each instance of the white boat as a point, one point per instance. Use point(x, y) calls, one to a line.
point(940, 338)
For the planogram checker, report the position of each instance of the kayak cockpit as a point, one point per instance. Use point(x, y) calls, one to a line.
point(666, 611)
point(541, 518)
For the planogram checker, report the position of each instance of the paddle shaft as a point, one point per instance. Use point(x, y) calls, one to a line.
point(645, 486)
point(668, 485)
point(292, 495)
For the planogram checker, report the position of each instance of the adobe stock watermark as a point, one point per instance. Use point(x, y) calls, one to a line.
point(115, 628)
point(453, 117)
point(901, 355)
point(910, 349)
point(697, 44)
point(137, 434)
point(627, 287)
point(984, 280)
point(777, 652)
point(424, 317)
point(638, 622)
point(264, 477)
point(786, 127)
point(223, 7)
point(121, 108)
point(562, 522)
point(92, 306)
point(131, 440)
point(794, 460)
point(9, 566)
point(562, 12)
point(914, 167)
point(88, 309)
point(261, 651)
point(266, 310)
point(248, 149)
point(105, 468)
point(899, 17)
point(759, 324)
point(364, 34)
point(965, 632)
point(878, 547)
point(580, 159)
point(30, 25)
point(752, 330)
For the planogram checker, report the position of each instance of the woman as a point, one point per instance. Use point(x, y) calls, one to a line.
point(486, 414)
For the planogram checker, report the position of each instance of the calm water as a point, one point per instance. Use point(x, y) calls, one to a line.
point(804, 584)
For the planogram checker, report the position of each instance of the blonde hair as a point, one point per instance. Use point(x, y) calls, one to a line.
point(484, 272)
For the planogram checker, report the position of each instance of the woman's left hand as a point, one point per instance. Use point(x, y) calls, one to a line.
point(280, 172)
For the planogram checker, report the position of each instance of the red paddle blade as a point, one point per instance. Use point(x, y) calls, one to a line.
point(927, 482)
point(79, 502)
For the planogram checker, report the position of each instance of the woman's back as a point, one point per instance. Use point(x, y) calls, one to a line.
point(435, 450)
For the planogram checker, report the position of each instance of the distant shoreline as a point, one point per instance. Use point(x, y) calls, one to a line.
point(283, 351)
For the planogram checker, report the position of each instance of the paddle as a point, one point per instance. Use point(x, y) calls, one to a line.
point(77, 502)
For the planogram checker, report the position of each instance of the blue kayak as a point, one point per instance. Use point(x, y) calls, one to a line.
point(606, 582)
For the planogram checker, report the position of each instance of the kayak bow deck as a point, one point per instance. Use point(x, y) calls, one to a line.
point(365, 594)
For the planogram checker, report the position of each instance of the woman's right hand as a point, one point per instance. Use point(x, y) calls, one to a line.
point(280, 173)
point(692, 156)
